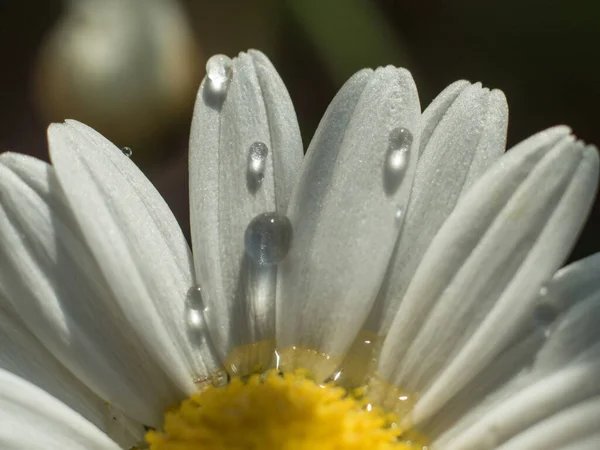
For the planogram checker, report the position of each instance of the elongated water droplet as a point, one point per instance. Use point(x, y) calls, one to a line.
point(396, 159)
point(268, 238)
point(218, 72)
point(127, 151)
point(195, 310)
point(257, 164)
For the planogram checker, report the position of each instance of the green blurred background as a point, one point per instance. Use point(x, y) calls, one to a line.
point(545, 56)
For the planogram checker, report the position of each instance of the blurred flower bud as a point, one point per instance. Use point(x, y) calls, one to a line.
point(129, 68)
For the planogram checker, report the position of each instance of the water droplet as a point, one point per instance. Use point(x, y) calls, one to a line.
point(398, 214)
point(195, 310)
point(127, 151)
point(218, 72)
point(400, 138)
point(220, 378)
point(257, 163)
point(268, 238)
point(396, 159)
point(544, 316)
point(194, 298)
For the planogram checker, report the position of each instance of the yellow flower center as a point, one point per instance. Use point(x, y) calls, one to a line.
point(279, 411)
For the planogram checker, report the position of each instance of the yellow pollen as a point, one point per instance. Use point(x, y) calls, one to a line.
point(277, 411)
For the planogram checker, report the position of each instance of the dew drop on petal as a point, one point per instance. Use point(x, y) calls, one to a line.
point(218, 72)
point(257, 163)
point(195, 310)
point(396, 159)
point(127, 151)
point(268, 238)
point(194, 298)
point(220, 378)
point(399, 214)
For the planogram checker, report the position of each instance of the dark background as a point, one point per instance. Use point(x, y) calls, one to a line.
point(544, 55)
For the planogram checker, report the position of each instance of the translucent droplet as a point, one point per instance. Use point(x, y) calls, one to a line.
point(195, 310)
point(127, 151)
point(396, 159)
point(220, 378)
point(398, 215)
point(194, 298)
point(218, 72)
point(268, 238)
point(257, 163)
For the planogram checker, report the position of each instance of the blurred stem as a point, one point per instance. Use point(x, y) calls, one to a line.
point(349, 35)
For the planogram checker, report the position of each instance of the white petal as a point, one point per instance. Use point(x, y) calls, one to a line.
point(543, 399)
point(225, 195)
point(550, 374)
point(576, 336)
point(31, 419)
point(590, 442)
point(437, 109)
point(561, 429)
point(498, 381)
point(573, 283)
point(464, 143)
point(137, 243)
point(477, 284)
point(343, 211)
point(54, 284)
point(23, 354)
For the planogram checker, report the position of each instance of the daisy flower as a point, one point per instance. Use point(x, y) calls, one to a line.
point(399, 287)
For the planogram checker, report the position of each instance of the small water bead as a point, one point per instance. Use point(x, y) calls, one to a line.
point(396, 159)
point(398, 215)
point(257, 164)
point(194, 298)
point(400, 138)
point(220, 378)
point(268, 238)
point(218, 72)
point(127, 152)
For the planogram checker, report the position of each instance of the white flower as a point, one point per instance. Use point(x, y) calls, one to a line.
point(411, 227)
